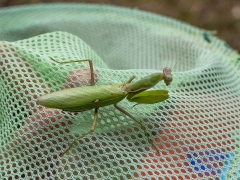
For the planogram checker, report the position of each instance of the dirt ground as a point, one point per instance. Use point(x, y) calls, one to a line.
point(220, 15)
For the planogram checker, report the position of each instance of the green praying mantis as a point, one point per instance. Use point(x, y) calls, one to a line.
point(93, 97)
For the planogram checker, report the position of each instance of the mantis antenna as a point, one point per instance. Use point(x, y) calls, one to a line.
point(182, 55)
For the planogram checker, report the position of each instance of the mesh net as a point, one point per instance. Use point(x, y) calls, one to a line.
point(196, 130)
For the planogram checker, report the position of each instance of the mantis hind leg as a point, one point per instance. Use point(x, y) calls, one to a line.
point(139, 122)
point(72, 61)
point(85, 134)
point(96, 109)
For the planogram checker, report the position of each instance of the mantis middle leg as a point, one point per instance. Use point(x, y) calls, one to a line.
point(139, 122)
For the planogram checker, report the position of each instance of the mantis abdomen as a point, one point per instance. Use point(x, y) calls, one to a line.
point(83, 98)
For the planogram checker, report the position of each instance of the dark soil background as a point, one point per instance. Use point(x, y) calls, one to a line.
point(220, 15)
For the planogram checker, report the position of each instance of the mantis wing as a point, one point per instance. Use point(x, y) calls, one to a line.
point(150, 97)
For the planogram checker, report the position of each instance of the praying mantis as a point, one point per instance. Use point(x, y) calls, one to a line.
point(93, 97)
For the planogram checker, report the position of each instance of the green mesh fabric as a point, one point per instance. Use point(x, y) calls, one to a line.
point(196, 130)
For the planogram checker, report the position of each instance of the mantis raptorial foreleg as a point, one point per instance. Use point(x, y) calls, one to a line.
point(139, 122)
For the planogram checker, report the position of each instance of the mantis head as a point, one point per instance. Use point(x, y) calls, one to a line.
point(167, 75)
